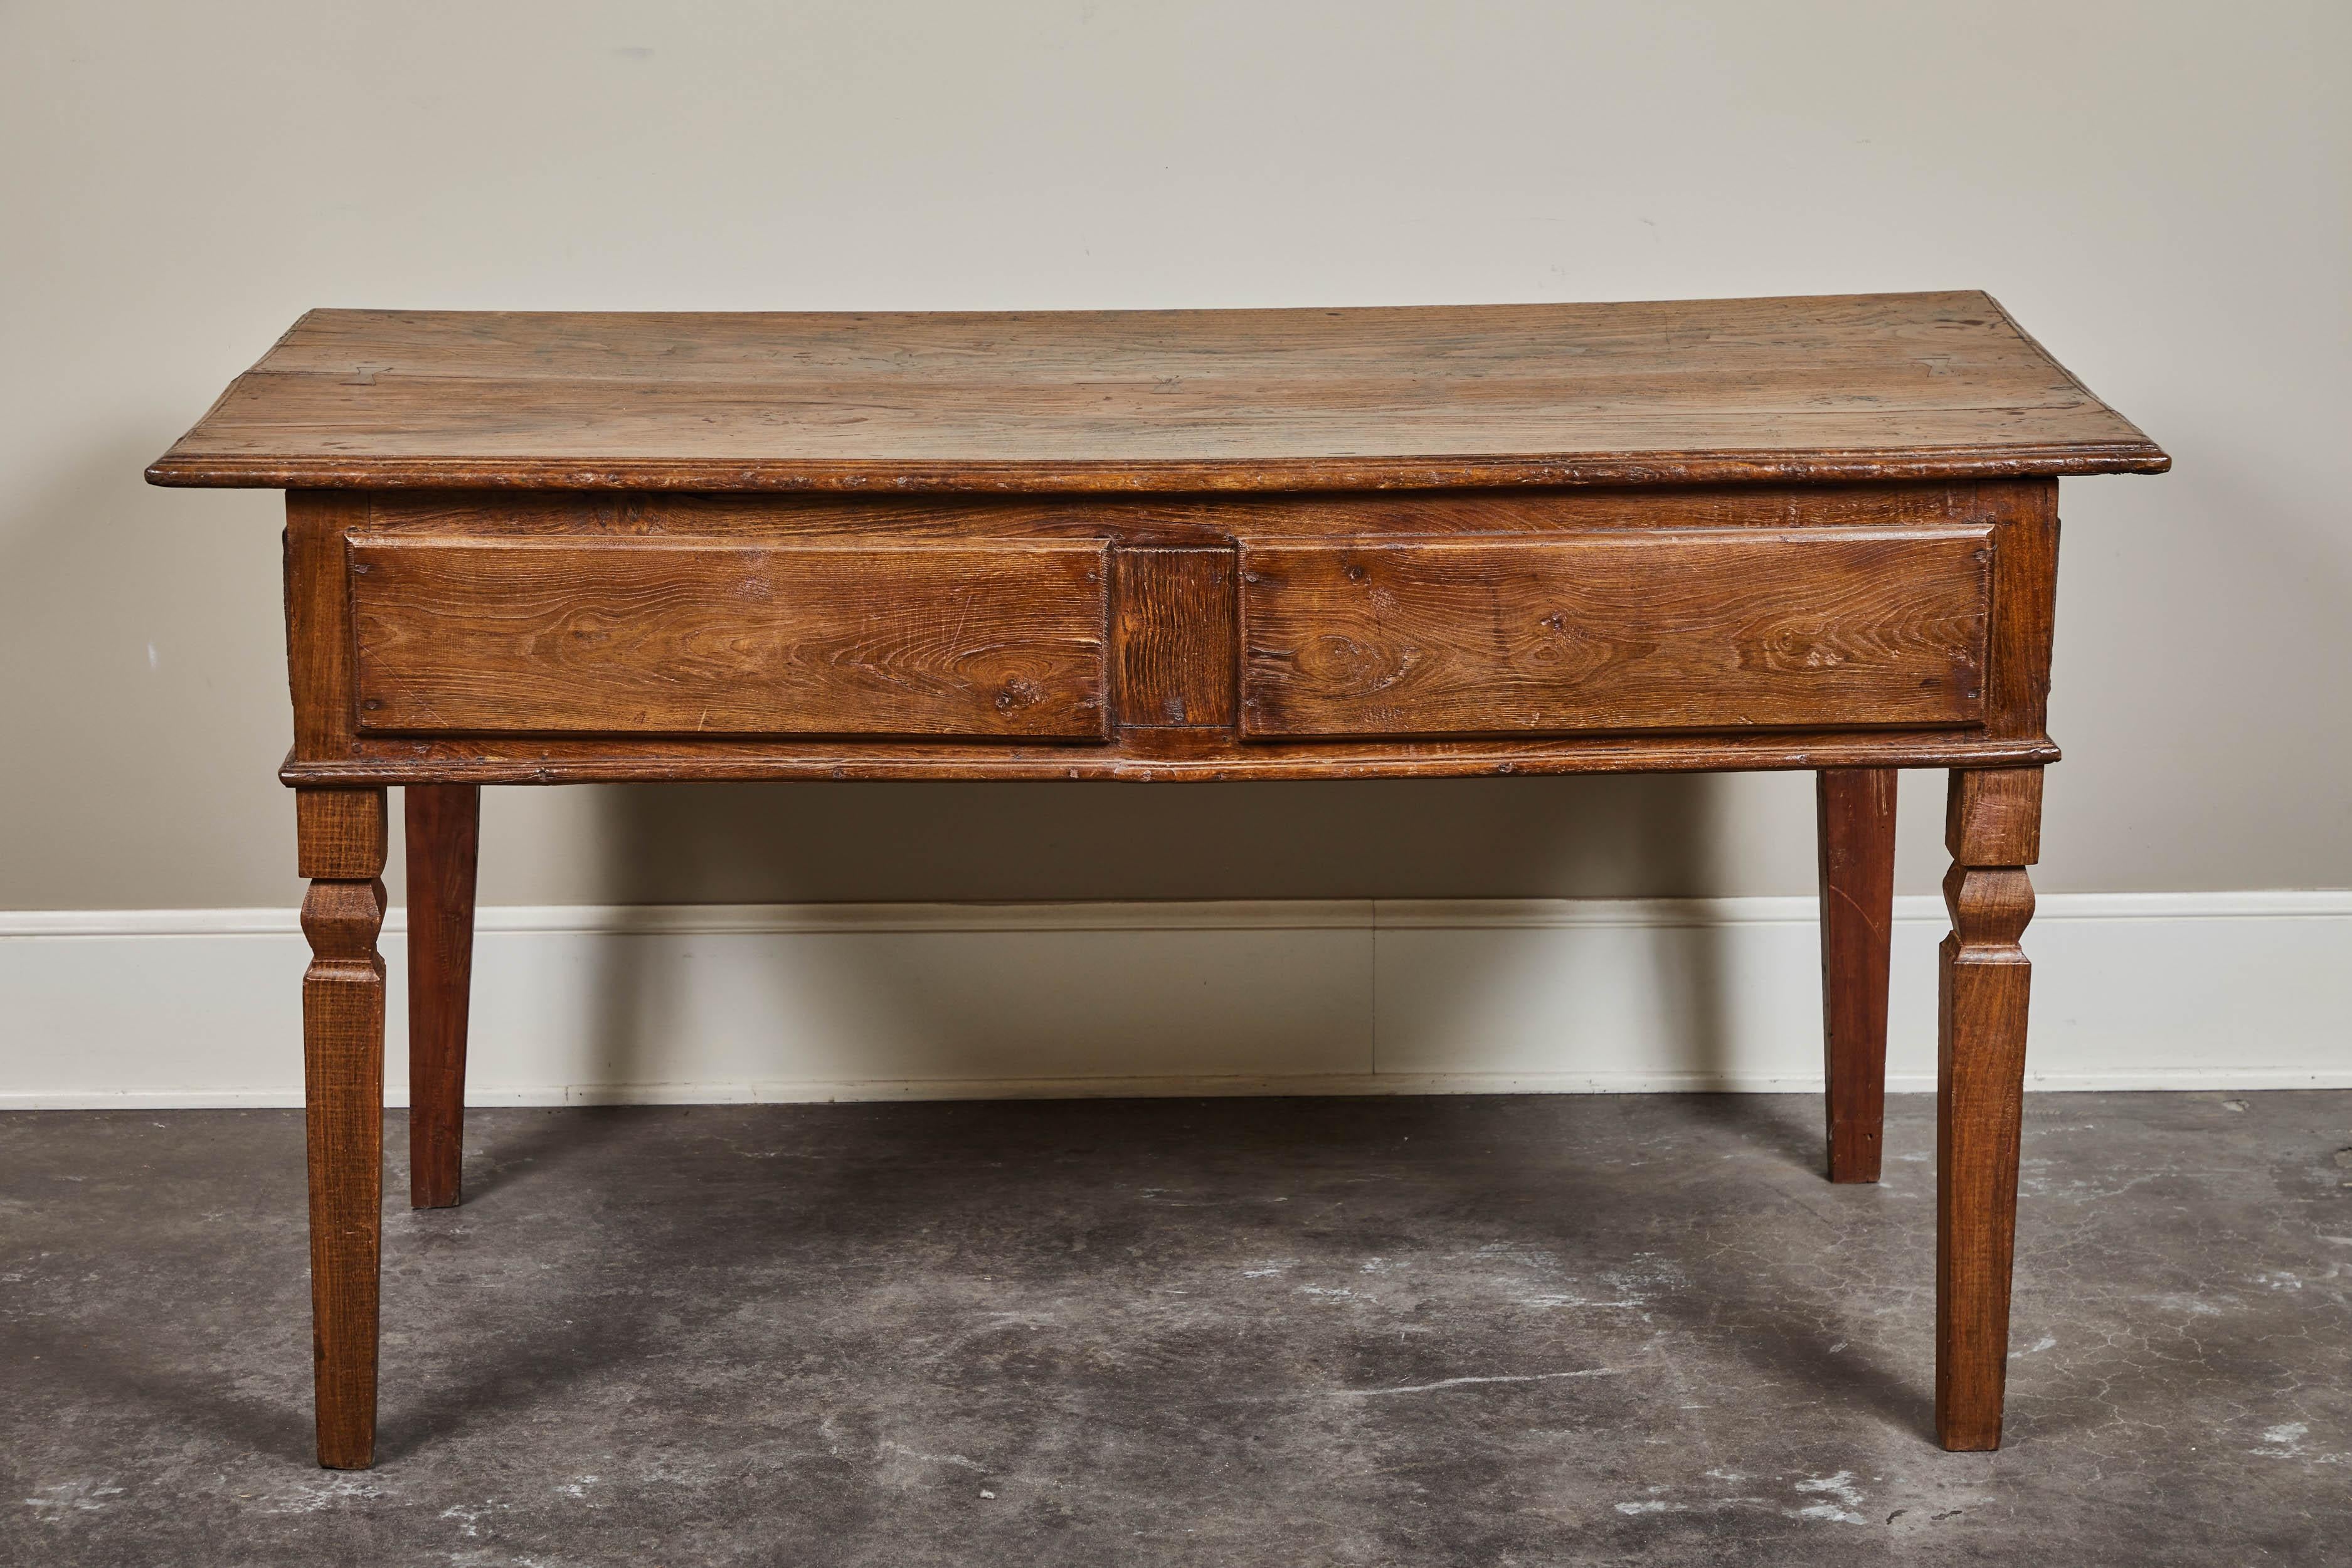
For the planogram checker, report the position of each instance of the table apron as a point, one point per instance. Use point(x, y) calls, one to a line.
point(556, 637)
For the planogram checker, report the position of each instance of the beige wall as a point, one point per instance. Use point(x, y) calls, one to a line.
point(2159, 191)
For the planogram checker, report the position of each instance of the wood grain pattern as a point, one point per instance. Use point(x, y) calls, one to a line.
point(1690, 630)
point(330, 751)
point(716, 637)
point(1144, 755)
point(1174, 636)
point(1215, 520)
point(1847, 387)
point(318, 617)
point(342, 1055)
point(442, 831)
point(1994, 818)
point(340, 834)
point(2025, 594)
point(1984, 986)
point(1855, 807)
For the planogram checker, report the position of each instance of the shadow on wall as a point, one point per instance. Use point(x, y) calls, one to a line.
point(1603, 836)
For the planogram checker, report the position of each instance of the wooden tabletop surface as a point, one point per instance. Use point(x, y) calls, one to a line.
point(1845, 388)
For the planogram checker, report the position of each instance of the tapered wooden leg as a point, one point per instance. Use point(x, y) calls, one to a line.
point(343, 835)
point(443, 822)
point(1856, 809)
point(1993, 828)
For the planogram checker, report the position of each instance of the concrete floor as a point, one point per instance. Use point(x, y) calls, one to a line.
point(1583, 1330)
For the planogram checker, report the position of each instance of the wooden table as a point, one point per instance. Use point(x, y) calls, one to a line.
point(542, 549)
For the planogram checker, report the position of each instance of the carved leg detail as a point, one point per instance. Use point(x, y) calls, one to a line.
point(342, 837)
point(1856, 810)
point(442, 822)
point(1993, 830)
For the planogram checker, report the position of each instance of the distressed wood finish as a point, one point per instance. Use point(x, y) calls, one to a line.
point(1173, 641)
point(1145, 755)
point(443, 830)
point(1815, 533)
point(342, 841)
point(1852, 387)
point(1997, 816)
point(715, 637)
point(1684, 630)
point(341, 835)
point(1856, 808)
point(1195, 663)
point(1205, 520)
point(1993, 830)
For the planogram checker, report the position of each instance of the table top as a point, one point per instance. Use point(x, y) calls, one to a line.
point(1864, 387)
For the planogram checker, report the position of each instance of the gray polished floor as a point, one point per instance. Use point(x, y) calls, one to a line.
point(1478, 1330)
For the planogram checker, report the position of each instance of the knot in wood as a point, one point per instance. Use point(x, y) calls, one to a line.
point(1344, 663)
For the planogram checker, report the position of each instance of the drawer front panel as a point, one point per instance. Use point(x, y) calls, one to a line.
point(1689, 629)
point(707, 636)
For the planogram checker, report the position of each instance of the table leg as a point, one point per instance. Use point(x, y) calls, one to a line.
point(342, 837)
point(1993, 828)
point(443, 822)
point(1856, 810)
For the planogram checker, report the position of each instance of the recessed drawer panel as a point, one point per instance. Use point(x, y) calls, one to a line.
point(1685, 629)
point(619, 636)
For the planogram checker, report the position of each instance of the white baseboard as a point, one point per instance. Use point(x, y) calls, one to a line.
point(702, 1004)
